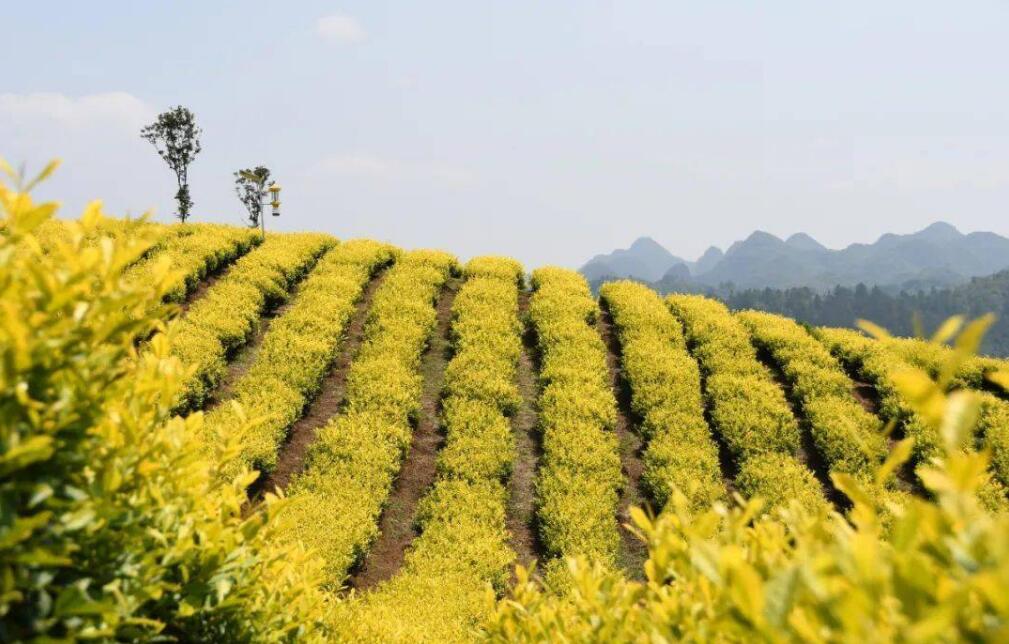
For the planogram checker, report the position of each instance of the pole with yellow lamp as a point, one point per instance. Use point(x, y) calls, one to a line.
point(274, 205)
point(259, 178)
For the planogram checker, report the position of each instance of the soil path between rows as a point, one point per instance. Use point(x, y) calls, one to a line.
point(521, 511)
point(727, 464)
point(210, 279)
point(242, 359)
point(327, 404)
point(633, 551)
point(867, 395)
point(417, 473)
point(809, 454)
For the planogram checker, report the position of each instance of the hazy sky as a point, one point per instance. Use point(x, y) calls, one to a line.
point(546, 130)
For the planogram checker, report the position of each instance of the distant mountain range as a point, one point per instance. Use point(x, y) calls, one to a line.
point(938, 256)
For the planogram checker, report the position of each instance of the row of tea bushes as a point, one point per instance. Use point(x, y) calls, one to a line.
point(666, 397)
point(747, 407)
point(580, 476)
point(297, 351)
point(849, 438)
point(338, 497)
point(224, 319)
point(462, 550)
point(193, 251)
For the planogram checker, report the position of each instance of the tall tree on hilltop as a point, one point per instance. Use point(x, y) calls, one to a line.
point(177, 139)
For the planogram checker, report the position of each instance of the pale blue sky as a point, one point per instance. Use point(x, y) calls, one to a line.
point(545, 130)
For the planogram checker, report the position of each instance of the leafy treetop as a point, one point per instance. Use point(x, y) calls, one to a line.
point(176, 137)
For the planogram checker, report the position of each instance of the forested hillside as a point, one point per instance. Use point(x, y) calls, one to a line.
point(842, 306)
point(905, 313)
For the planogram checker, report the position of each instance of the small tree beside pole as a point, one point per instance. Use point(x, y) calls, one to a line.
point(252, 190)
point(250, 186)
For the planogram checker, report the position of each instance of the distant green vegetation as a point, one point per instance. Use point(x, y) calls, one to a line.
point(842, 306)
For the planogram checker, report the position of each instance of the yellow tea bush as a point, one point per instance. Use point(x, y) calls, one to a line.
point(580, 478)
point(938, 573)
point(112, 526)
point(338, 498)
point(297, 351)
point(225, 318)
point(462, 550)
point(849, 438)
point(747, 407)
point(665, 387)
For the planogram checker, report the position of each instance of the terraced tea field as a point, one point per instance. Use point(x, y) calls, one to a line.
point(304, 437)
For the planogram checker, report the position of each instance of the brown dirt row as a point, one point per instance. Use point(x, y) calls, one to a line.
point(809, 454)
point(866, 394)
point(326, 404)
point(521, 510)
point(633, 551)
point(726, 462)
point(243, 358)
point(417, 473)
point(210, 279)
